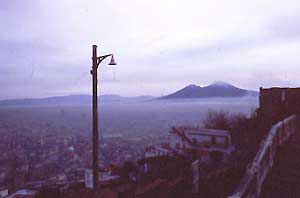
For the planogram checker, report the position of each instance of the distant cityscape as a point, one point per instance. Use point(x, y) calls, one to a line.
point(183, 148)
point(51, 145)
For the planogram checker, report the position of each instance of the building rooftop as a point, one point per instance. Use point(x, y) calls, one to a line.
point(200, 131)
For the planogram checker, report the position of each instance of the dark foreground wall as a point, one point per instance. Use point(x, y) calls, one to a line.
point(277, 103)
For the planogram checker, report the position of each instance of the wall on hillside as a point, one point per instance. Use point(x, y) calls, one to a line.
point(277, 103)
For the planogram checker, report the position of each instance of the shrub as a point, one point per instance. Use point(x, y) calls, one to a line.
point(217, 120)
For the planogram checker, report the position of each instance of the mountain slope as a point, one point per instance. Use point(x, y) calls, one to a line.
point(71, 100)
point(217, 89)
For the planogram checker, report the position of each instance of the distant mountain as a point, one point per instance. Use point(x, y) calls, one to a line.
point(217, 89)
point(71, 100)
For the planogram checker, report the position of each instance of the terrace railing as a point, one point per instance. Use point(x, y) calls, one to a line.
point(256, 172)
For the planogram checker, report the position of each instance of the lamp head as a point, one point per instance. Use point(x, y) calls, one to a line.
point(112, 61)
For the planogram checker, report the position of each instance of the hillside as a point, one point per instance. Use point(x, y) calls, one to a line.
point(71, 100)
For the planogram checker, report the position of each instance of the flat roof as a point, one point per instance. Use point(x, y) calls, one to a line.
point(279, 88)
point(203, 131)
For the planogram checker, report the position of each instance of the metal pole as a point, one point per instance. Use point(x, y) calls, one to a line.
point(95, 121)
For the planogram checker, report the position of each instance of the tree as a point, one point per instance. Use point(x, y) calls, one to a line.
point(217, 120)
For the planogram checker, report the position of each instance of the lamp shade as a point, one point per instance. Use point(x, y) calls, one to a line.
point(112, 61)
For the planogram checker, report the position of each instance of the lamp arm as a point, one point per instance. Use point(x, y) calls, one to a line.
point(101, 58)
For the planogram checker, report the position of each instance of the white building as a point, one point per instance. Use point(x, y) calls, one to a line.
point(202, 140)
point(3, 193)
point(155, 151)
point(104, 177)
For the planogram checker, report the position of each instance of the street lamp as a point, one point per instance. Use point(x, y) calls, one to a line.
point(96, 61)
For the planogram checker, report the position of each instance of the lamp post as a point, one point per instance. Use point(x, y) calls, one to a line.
point(96, 61)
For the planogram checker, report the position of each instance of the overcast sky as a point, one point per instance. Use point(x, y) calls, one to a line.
point(160, 45)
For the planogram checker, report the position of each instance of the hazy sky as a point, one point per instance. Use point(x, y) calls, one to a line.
point(160, 45)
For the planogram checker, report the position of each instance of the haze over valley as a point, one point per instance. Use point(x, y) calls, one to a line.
point(137, 122)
